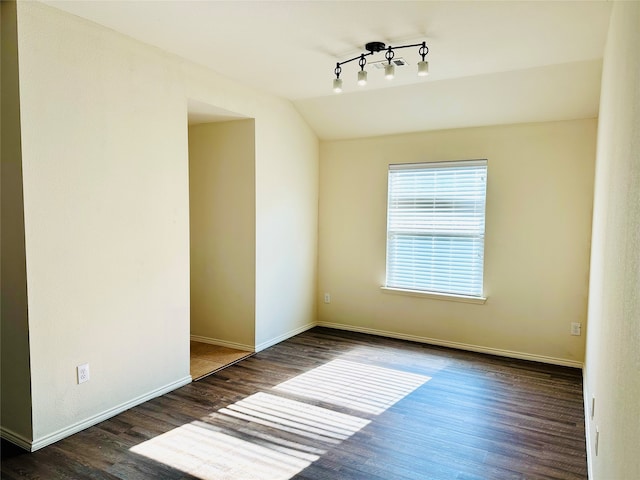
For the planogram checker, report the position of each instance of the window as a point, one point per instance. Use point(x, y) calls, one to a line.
point(435, 227)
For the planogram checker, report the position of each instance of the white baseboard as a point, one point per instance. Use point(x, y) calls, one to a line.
point(460, 346)
point(284, 336)
point(15, 438)
point(223, 343)
point(251, 348)
point(93, 420)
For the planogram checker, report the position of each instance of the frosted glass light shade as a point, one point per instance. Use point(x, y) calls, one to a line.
point(389, 71)
point(423, 68)
point(337, 85)
point(362, 77)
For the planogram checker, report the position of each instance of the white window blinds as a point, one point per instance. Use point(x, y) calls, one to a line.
point(435, 227)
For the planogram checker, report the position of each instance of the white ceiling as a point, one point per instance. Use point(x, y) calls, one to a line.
point(490, 62)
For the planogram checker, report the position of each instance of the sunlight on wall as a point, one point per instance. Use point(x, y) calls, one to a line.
point(267, 436)
point(365, 388)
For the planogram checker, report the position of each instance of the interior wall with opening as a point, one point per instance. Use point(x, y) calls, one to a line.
point(106, 210)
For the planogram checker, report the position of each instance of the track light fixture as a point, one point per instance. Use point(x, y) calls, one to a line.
point(389, 68)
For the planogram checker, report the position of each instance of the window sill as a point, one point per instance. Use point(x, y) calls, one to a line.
point(436, 296)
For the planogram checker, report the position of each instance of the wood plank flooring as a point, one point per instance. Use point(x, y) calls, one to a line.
point(328, 404)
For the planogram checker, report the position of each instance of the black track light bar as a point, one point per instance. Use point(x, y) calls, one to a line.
point(376, 47)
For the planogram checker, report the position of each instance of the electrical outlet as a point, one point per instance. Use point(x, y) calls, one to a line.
point(576, 328)
point(327, 298)
point(593, 406)
point(83, 373)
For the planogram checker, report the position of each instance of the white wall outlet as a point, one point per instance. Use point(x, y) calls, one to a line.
point(576, 328)
point(327, 298)
point(83, 373)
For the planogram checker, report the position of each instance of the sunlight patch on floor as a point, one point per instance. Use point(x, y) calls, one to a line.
point(361, 387)
point(212, 455)
point(424, 361)
point(266, 436)
point(201, 449)
point(296, 417)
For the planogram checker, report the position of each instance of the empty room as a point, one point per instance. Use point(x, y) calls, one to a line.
point(320, 240)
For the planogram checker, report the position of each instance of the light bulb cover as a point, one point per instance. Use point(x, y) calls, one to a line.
point(337, 85)
point(389, 71)
point(423, 68)
point(362, 77)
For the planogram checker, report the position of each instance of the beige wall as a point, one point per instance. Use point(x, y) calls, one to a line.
point(15, 375)
point(538, 224)
point(286, 228)
point(612, 370)
point(222, 231)
point(106, 187)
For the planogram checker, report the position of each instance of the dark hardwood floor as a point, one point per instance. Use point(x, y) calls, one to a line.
point(329, 404)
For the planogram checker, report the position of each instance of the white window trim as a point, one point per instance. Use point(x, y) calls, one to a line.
point(435, 296)
point(423, 165)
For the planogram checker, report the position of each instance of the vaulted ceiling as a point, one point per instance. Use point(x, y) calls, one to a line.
point(490, 62)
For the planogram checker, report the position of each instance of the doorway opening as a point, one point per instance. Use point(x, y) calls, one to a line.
point(222, 237)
